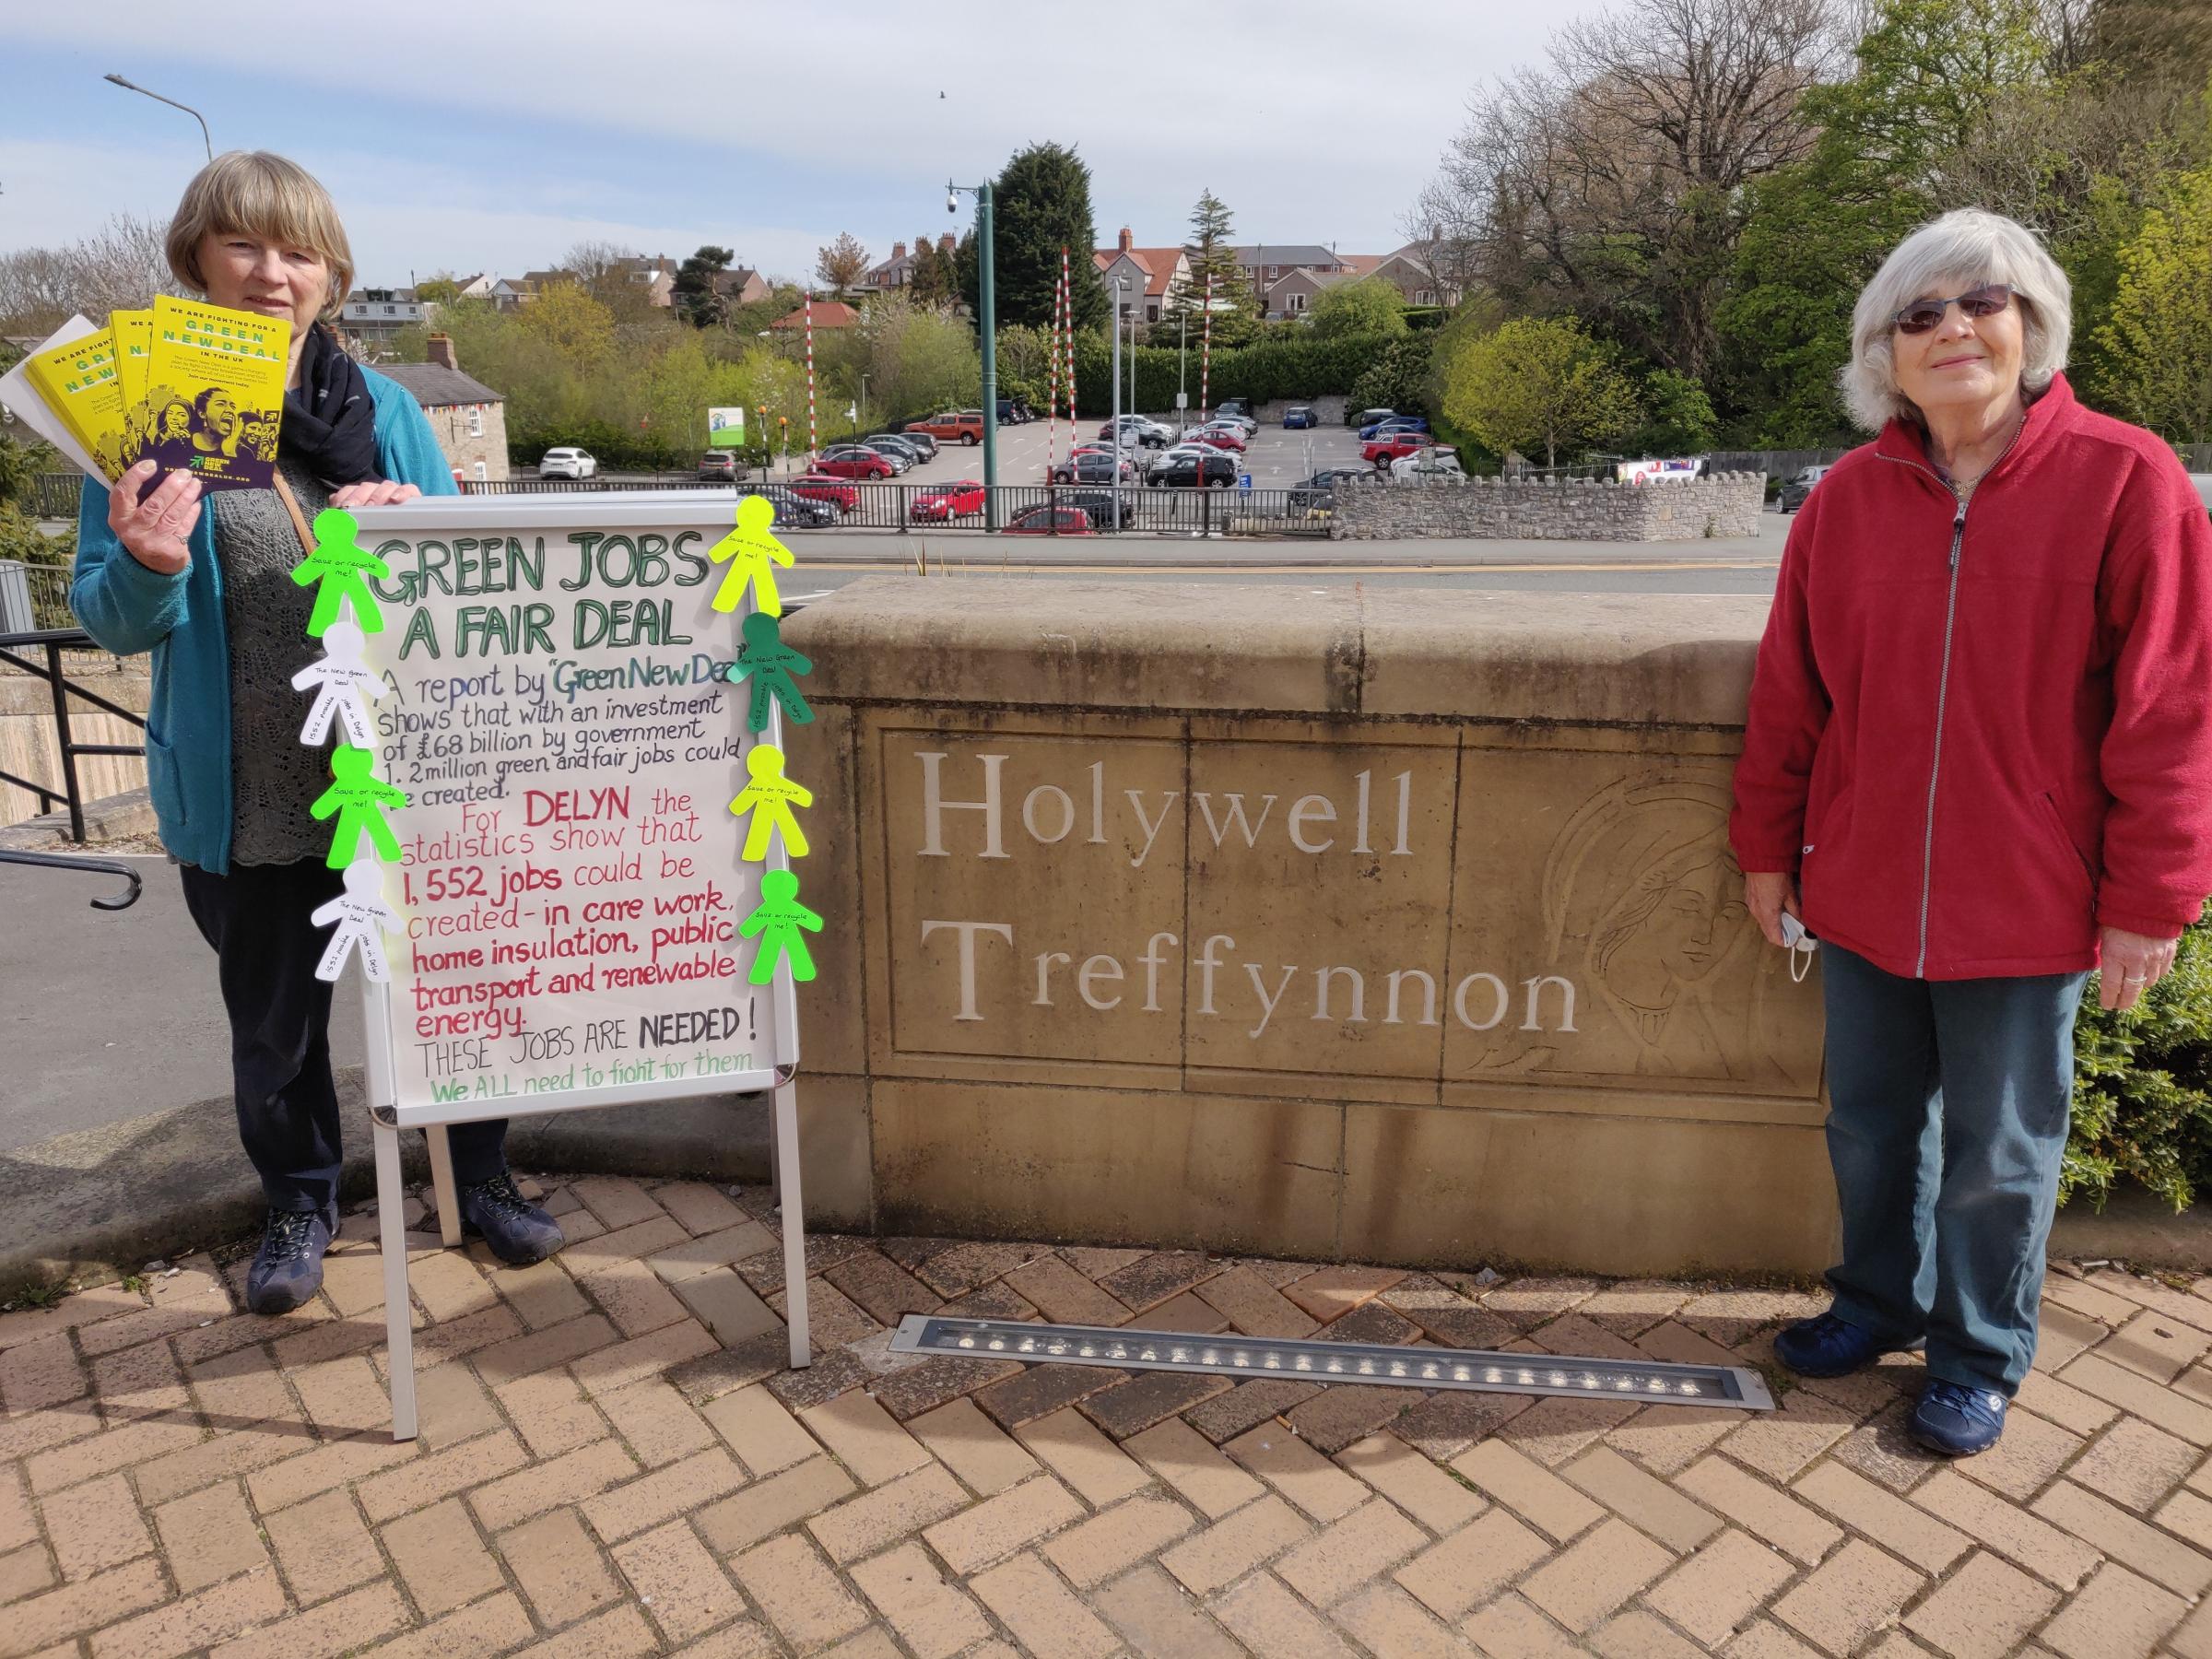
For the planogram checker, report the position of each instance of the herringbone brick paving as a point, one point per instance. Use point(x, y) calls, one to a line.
point(614, 1462)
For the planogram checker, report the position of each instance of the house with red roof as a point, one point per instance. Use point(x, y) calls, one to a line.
point(828, 314)
point(1151, 277)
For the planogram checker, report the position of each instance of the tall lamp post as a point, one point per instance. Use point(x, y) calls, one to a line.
point(987, 305)
point(206, 142)
point(1121, 287)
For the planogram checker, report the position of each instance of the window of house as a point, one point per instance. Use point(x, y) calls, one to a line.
point(476, 420)
point(391, 311)
point(1298, 302)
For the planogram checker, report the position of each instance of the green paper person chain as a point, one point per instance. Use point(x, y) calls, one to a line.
point(769, 664)
point(359, 798)
point(776, 922)
point(335, 570)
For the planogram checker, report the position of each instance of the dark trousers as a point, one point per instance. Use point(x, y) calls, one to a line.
point(1949, 1107)
point(257, 919)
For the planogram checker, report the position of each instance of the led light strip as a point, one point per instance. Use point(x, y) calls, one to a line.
point(1472, 1369)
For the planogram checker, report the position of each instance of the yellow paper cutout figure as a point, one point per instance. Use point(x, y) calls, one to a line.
point(769, 796)
point(751, 551)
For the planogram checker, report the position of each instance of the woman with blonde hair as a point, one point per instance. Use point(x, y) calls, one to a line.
point(1977, 765)
point(206, 586)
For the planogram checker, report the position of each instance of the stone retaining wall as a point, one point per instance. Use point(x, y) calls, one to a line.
point(1519, 510)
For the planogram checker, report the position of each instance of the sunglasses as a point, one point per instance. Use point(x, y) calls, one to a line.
point(1923, 314)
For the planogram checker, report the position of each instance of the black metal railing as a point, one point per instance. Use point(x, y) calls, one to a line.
point(49, 643)
point(54, 495)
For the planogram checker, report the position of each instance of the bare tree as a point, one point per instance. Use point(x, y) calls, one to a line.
point(838, 265)
point(1610, 181)
point(121, 264)
point(592, 259)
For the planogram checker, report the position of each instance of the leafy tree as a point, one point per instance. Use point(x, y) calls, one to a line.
point(1364, 305)
point(1677, 416)
point(934, 278)
point(1041, 205)
point(693, 291)
point(1215, 270)
point(2158, 341)
point(438, 290)
point(1398, 378)
point(841, 264)
point(566, 318)
point(1538, 381)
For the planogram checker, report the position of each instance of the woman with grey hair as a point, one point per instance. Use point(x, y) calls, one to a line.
point(1976, 766)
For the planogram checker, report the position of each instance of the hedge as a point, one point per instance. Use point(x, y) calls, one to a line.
point(2143, 1087)
point(1262, 371)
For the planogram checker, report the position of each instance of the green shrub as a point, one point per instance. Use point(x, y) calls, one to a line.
point(2143, 1087)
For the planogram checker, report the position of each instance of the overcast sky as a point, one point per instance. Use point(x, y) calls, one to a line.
point(461, 136)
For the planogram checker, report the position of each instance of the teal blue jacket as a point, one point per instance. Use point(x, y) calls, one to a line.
point(128, 608)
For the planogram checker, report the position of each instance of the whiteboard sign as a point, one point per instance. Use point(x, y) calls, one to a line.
point(557, 711)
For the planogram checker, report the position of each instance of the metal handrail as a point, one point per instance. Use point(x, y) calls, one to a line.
point(103, 867)
point(53, 641)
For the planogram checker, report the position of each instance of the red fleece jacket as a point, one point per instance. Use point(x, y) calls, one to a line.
point(1977, 736)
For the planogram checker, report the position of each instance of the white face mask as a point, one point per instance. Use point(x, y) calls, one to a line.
point(1800, 945)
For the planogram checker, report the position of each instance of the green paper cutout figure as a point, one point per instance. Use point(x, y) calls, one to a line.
point(769, 796)
point(359, 798)
point(776, 922)
point(748, 550)
point(338, 563)
point(769, 664)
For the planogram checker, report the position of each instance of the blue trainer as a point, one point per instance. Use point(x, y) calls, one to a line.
point(287, 1268)
point(518, 1231)
point(1825, 1345)
point(1955, 1420)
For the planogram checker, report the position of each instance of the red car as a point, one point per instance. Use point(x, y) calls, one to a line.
point(1048, 521)
point(1386, 447)
point(1220, 437)
point(950, 500)
point(851, 461)
point(822, 487)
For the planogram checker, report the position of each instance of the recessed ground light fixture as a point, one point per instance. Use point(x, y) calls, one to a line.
point(1474, 1368)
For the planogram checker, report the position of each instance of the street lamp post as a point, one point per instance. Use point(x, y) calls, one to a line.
point(206, 142)
point(987, 305)
point(1121, 287)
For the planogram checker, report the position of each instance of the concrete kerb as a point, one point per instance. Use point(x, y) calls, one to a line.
point(157, 1186)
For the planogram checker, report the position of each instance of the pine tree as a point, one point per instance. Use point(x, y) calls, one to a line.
point(1041, 205)
point(1211, 255)
point(932, 281)
point(693, 289)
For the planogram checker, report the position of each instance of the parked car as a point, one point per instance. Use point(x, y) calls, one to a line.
point(1098, 505)
point(1048, 521)
point(1012, 411)
point(1388, 446)
point(1138, 431)
point(1234, 405)
point(1233, 414)
point(826, 487)
point(719, 466)
point(954, 426)
point(1213, 470)
point(853, 461)
point(1093, 467)
point(1298, 417)
point(1395, 423)
point(921, 443)
point(796, 511)
point(897, 453)
point(949, 501)
point(1368, 418)
point(1320, 490)
point(1794, 490)
point(1433, 463)
point(567, 463)
point(1226, 438)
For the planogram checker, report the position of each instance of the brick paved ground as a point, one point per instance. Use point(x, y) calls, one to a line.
point(612, 1463)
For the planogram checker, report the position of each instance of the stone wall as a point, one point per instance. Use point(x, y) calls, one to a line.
point(1517, 510)
point(1368, 925)
point(464, 448)
point(30, 748)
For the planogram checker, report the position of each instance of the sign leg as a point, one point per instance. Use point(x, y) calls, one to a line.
point(794, 1223)
point(441, 1184)
point(391, 1232)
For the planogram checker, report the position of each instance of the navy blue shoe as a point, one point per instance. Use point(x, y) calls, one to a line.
point(1958, 1421)
point(517, 1230)
point(1825, 1346)
point(287, 1268)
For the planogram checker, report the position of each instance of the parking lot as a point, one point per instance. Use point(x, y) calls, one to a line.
point(1276, 459)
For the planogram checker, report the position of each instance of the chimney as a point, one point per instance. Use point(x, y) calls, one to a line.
point(440, 351)
point(945, 243)
point(898, 250)
point(1127, 240)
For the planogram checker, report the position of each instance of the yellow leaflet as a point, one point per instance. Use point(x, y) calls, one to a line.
point(134, 332)
point(218, 377)
point(79, 383)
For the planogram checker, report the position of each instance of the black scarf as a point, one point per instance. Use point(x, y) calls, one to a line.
point(329, 418)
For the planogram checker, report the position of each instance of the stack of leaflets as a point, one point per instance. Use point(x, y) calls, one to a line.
point(193, 387)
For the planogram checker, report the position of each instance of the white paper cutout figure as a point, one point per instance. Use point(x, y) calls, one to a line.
point(343, 679)
point(360, 910)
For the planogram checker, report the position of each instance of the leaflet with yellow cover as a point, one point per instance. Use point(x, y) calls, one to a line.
point(215, 393)
point(77, 380)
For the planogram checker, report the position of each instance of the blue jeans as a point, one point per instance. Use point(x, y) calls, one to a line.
point(1948, 1106)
